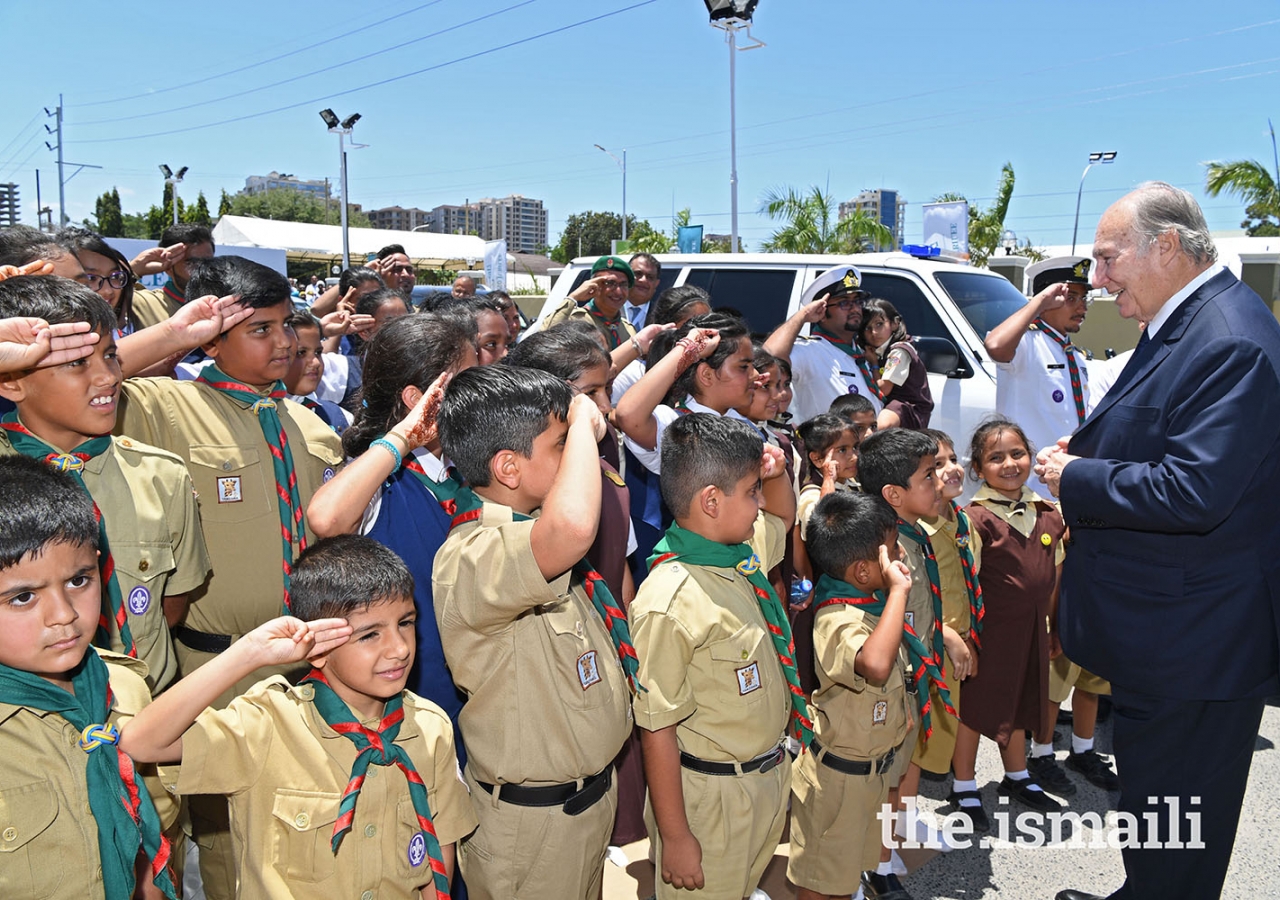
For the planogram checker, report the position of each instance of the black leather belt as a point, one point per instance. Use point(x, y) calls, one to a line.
point(575, 800)
point(202, 640)
point(852, 766)
point(762, 763)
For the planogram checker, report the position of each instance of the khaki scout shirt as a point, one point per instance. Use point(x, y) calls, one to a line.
point(153, 527)
point(48, 835)
point(853, 717)
point(707, 659)
point(955, 596)
point(284, 771)
point(919, 613)
point(230, 465)
point(570, 311)
point(151, 307)
point(547, 701)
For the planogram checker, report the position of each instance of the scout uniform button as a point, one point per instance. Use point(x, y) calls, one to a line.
point(302, 820)
point(144, 565)
point(10, 834)
point(307, 692)
point(370, 830)
point(367, 895)
point(226, 466)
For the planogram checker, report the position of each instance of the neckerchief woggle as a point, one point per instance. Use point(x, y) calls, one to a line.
point(461, 504)
point(292, 528)
point(854, 351)
point(925, 663)
point(119, 803)
point(1073, 367)
point(964, 548)
point(377, 748)
point(696, 550)
point(26, 443)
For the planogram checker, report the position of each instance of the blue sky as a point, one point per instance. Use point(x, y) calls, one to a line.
point(472, 98)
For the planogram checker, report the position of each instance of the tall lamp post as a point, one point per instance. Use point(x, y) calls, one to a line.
point(1104, 158)
point(622, 164)
point(342, 129)
point(173, 179)
point(733, 16)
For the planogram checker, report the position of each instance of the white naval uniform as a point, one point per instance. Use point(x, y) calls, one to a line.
point(1034, 390)
point(821, 372)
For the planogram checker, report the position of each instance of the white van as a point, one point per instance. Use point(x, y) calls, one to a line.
point(946, 306)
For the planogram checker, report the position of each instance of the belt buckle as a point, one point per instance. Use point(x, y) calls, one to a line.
point(886, 762)
point(773, 761)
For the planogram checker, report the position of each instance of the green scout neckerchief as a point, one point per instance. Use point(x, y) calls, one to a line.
point(379, 748)
point(855, 351)
point(119, 802)
point(26, 443)
point(1069, 350)
point(831, 591)
point(934, 645)
point(292, 528)
point(462, 504)
point(964, 546)
point(611, 326)
point(696, 550)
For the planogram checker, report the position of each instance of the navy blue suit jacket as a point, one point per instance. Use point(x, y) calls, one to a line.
point(1171, 585)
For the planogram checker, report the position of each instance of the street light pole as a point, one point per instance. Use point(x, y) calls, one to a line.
point(173, 179)
point(733, 16)
point(342, 129)
point(622, 163)
point(1094, 159)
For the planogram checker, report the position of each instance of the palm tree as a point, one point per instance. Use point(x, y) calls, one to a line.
point(1249, 180)
point(986, 226)
point(812, 226)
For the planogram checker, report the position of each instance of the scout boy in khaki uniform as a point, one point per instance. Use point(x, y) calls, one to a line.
point(152, 537)
point(861, 711)
point(532, 636)
point(325, 804)
point(256, 459)
point(73, 821)
point(721, 692)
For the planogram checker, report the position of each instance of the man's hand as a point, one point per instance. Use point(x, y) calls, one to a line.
point(895, 573)
point(590, 289)
point(1050, 462)
point(158, 260)
point(1055, 296)
point(682, 862)
point(773, 463)
point(289, 640)
point(584, 409)
point(35, 267)
point(815, 311)
point(29, 343)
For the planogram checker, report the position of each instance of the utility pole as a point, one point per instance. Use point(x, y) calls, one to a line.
point(56, 115)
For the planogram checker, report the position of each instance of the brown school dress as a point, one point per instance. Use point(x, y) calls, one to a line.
point(1011, 690)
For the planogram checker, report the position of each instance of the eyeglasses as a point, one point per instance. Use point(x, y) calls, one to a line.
point(116, 279)
point(847, 302)
point(613, 285)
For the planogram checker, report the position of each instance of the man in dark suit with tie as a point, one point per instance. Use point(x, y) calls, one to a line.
point(1171, 585)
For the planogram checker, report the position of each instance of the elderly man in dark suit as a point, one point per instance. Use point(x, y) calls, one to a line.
point(1171, 586)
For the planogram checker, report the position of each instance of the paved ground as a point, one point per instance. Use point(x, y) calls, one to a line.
point(1037, 874)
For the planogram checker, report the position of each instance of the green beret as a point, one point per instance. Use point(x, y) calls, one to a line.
point(615, 264)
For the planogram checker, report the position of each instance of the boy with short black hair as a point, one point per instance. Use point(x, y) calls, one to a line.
point(532, 636)
point(354, 808)
point(722, 696)
point(255, 459)
point(898, 464)
point(62, 703)
point(152, 546)
point(857, 409)
point(862, 712)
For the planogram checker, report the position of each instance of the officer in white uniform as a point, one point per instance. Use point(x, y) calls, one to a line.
point(1042, 380)
point(827, 363)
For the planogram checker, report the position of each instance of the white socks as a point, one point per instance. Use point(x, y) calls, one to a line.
point(885, 868)
point(1080, 745)
point(1038, 749)
point(1024, 775)
point(971, 785)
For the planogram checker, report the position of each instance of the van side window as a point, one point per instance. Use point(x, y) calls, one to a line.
point(761, 295)
point(917, 312)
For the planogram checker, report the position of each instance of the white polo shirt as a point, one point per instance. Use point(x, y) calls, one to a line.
point(1034, 390)
point(821, 372)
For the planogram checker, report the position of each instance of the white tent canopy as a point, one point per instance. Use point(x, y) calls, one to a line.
point(306, 242)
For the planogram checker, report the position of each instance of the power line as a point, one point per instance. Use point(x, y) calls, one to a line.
point(305, 75)
point(17, 134)
point(470, 56)
point(305, 48)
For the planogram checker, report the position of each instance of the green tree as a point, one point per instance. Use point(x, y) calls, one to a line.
point(590, 233)
point(286, 205)
point(198, 214)
point(109, 215)
point(135, 225)
point(986, 226)
point(224, 205)
point(1249, 180)
point(810, 224)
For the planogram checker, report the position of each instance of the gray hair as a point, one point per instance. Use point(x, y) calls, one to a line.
point(1159, 207)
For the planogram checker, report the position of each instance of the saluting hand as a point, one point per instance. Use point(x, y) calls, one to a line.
point(289, 640)
point(35, 267)
point(30, 343)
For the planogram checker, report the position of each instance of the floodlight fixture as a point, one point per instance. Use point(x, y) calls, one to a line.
point(731, 9)
point(166, 171)
point(350, 120)
point(173, 179)
point(329, 118)
point(1096, 158)
point(342, 129)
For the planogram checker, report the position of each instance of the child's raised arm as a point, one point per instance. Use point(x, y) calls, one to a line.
point(880, 652)
point(565, 531)
point(634, 414)
point(779, 495)
point(155, 734)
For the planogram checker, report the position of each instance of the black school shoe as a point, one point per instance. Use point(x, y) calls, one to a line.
point(1023, 793)
point(978, 821)
point(1095, 770)
point(883, 887)
point(1046, 772)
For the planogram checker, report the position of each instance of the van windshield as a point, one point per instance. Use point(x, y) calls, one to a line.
point(985, 300)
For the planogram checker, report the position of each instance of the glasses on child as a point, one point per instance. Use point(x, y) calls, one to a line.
point(116, 279)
